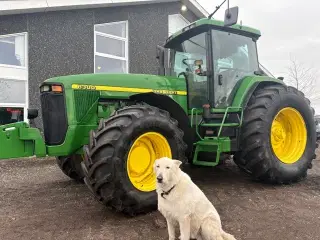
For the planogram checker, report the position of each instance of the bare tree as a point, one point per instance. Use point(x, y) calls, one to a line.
point(304, 79)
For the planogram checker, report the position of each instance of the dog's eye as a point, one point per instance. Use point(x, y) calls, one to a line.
point(168, 167)
point(158, 166)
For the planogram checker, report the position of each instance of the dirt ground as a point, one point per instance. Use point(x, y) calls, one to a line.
point(37, 201)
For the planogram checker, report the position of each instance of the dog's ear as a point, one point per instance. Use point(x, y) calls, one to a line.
point(155, 163)
point(177, 162)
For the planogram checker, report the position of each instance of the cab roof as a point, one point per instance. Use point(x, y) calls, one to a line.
point(215, 24)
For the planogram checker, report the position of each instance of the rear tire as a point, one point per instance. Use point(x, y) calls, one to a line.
point(107, 155)
point(257, 155)
point(71, 166)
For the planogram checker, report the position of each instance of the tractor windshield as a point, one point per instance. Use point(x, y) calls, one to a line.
point(185, 61)
point(234, 57)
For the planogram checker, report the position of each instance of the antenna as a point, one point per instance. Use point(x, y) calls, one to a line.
point(228, 15)
point(217, 8)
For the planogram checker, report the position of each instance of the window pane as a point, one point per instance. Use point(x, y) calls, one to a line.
point(12, 91)
point(10, 115)
point(117, 29)
point(108, 65)
point(234, 56)
point(176, 22)
point(186, 53)
point(12, 50)
point(110, 46)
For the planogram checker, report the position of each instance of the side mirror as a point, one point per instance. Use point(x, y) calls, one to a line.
point(231, 16)
point(32, 113)
point(281, 78)
point(160, 57)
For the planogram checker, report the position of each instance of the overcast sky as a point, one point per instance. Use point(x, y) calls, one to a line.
point(287, 27)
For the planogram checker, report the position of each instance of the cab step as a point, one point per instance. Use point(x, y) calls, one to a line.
point(219, 124)
point(214, 145)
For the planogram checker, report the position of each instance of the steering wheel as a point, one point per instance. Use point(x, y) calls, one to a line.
point(185, 74)
point(184, 62)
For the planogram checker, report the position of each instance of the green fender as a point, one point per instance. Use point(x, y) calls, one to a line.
point(248, 85)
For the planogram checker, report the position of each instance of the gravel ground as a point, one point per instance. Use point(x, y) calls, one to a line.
point(39, 202)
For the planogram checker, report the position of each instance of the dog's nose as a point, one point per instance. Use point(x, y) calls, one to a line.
point(159, 179)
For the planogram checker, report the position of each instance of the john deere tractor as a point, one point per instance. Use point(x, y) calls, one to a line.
point(212, 100)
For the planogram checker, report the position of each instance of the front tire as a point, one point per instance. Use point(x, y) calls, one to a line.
point(119, 159)
point(277, 139)
point(71, 166)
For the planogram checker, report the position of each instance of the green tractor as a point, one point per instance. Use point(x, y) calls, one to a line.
point(212, 100)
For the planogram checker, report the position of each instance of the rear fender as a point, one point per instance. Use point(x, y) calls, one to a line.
point(19, 140)
point(248, 86)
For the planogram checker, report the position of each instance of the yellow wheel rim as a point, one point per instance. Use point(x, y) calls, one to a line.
point(288, 135)
point(142, 155)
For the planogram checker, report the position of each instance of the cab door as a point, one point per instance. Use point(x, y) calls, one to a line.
point(234, 57)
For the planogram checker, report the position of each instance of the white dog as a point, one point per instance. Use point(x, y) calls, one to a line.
point(181, 202)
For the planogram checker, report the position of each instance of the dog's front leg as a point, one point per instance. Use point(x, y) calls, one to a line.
point(171, 229)
point(184, 228)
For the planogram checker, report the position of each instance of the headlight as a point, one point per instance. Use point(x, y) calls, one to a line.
point(44, 88)
point(51, 88)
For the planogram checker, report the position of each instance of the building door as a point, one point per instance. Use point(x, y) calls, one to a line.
point(13, 78)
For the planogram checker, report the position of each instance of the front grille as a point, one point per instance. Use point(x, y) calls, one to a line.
point(54, 116)
point(85, 100)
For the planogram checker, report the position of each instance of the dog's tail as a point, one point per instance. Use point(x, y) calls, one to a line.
point(211, 230)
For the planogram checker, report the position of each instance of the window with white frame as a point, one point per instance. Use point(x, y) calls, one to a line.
point(13, 78)
point(176, 22)
point(111, 47)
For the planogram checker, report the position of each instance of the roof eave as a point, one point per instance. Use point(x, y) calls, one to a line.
point(196, 8)
point(34, 6)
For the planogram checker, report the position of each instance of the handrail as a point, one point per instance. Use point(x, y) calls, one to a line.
point(225, 116)
point(194, 114)
point(197, 125)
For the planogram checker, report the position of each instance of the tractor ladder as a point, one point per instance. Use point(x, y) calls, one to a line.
point(216, 144)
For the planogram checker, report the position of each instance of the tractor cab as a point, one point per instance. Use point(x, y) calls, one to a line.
point(214, 57)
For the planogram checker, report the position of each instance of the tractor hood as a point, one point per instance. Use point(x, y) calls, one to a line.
point(122, 83)
point(72, 105)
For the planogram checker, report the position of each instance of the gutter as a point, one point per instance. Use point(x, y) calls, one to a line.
point(35, 6)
